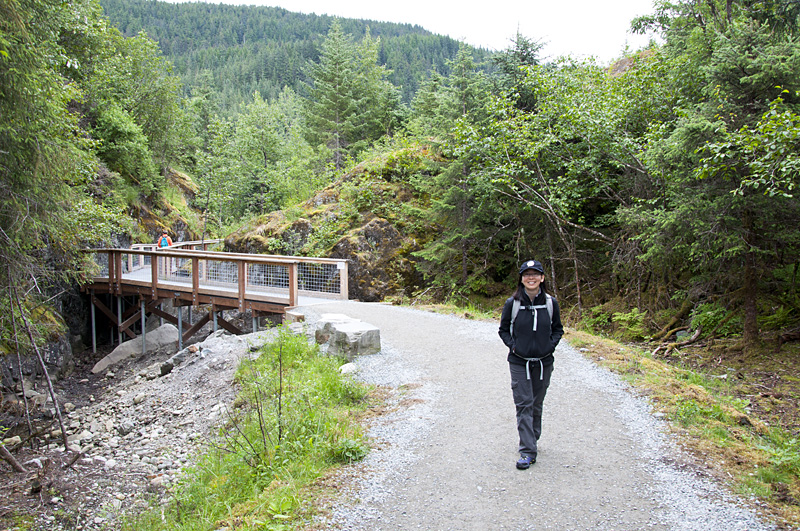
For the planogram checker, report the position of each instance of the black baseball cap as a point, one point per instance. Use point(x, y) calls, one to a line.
point(536, 265)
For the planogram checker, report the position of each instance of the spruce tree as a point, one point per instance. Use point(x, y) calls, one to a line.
point(332, 106)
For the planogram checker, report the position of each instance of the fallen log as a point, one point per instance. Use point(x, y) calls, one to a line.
point(788, 336)
point(665, 332)
point(669, 347)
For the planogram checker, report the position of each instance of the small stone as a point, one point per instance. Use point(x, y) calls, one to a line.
point(13, 441)
point(348, 368)
point(139, 398)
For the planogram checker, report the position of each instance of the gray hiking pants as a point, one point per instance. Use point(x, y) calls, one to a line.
point(529, 398)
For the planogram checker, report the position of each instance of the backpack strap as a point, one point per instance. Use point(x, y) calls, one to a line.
point(549, 304)
point(514, 311)
point(517, 305)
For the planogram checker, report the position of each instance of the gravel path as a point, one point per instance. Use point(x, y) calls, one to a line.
point(446, 459)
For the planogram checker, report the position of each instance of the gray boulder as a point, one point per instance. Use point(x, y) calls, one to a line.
point(162, 338)
point(347, 337)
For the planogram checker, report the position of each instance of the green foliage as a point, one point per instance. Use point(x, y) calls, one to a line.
point(351, 104)
point(292, 422)
point(596, 321)
point(783, 450)
point(249, 49)
point(349, 450)
point(630, 325)
point(778, 318)
point(124, 148)
point(710, 315)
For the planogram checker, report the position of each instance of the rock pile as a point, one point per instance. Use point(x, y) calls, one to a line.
point(154, 414)
point(152, 417)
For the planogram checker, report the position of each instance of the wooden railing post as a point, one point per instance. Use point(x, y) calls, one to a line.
point(111, 271)
point(195, 279)
point(242, 267)
point(154, 276)
point(344, 289)
point(293, 292)
point(118, 271)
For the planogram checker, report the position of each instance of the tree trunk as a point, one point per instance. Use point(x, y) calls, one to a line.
point(750, 332)
point(552, 260)
point(44, 369)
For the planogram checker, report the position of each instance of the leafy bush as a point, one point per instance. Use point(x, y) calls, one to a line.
point(710, 316)
point(630, 325)
point(596, 321)
point(777, 319)
point(125, 149)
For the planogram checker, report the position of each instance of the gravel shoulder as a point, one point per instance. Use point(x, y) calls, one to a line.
point(446, 461)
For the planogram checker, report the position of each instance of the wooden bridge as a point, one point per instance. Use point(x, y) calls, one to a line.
point(190, 275)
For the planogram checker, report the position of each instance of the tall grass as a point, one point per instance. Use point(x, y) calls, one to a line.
point(292, 421)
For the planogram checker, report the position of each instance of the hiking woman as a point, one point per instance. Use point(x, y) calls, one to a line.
point(530, 326)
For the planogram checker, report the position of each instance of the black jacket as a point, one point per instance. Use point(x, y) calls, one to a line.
point(526, 343)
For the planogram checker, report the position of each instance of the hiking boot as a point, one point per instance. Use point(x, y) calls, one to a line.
point(525, 462)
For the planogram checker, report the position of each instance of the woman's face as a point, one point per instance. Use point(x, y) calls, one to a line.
point(531, 279)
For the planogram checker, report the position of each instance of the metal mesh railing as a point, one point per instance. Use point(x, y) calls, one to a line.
point(220, 273)
point(263, 275)
point(319, 278)
point(174, 269)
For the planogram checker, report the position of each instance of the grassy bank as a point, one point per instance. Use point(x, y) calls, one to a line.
point(717, 416)
point(295, 419)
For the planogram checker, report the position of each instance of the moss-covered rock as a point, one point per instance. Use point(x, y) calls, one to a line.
point(370, 217)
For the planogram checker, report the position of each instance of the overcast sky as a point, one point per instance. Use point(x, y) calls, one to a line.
point(579, 27)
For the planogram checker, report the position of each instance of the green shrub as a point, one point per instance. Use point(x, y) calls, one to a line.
point(630, 325)
point(596, 321)
point(777, 318)
point(291, 422)
point(710, 316)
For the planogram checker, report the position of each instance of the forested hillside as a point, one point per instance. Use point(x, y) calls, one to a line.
point(235, 51)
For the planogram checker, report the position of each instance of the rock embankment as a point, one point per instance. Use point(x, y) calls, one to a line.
point(136, 434)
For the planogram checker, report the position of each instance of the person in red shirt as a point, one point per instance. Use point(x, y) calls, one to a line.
point(164, 240)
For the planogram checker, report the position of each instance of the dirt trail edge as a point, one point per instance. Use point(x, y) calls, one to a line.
point(445, 460)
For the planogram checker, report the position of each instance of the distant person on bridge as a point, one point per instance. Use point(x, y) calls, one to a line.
point(164, 240)
point(530, 326)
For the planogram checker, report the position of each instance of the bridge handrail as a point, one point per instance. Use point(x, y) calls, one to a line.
point(192, 244)
point(287, 275)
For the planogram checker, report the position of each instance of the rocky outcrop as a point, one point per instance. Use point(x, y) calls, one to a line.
point(367, 217)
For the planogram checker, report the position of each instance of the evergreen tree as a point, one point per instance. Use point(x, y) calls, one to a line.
point(351, 103)
point(332, 106)
point(460, 205)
